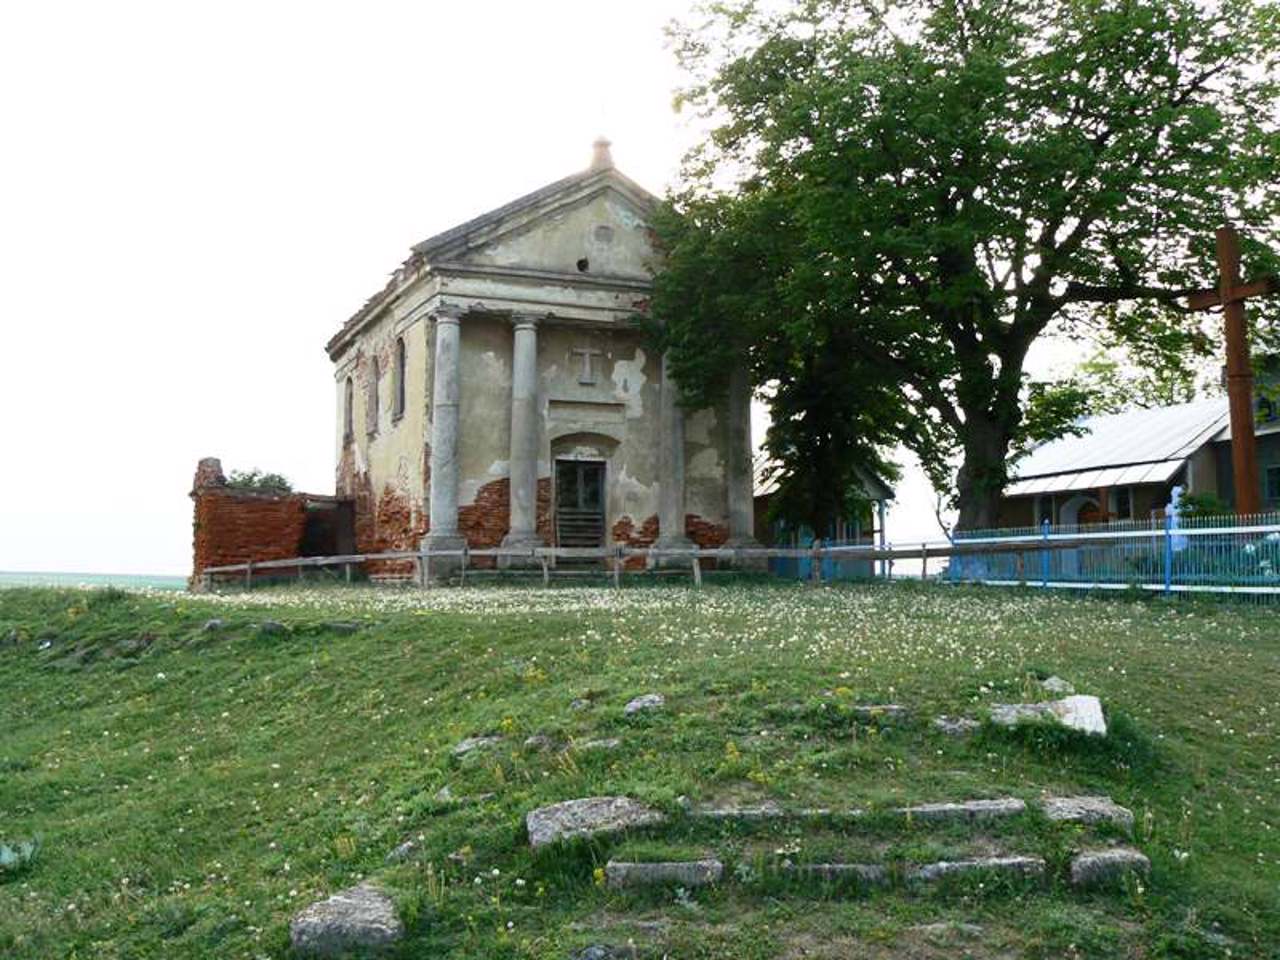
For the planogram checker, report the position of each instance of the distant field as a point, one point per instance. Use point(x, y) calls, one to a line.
point(127, 581)
point(194, 789)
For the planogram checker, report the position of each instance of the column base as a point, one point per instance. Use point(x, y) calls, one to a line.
point(443, 569)
point(672, 563)
point(755, 564)
point(521, 541)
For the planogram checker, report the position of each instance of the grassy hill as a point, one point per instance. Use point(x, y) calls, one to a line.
point(194, 788)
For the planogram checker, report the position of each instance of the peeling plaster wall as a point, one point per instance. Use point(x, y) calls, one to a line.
point(382, 465)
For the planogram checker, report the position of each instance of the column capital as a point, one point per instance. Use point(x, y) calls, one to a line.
point(527, 321)
point(447, 313)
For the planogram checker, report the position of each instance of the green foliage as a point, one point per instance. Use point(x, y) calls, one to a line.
point(256, 479)
point(897, 200)
point(1203, 505)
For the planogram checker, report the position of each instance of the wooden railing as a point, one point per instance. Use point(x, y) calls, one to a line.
point(613, 558)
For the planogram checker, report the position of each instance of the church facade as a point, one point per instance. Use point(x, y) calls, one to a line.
point(498, 392)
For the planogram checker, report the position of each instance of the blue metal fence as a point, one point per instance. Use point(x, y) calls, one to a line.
point(1219, 554)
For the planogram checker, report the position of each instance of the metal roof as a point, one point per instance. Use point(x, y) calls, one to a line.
point(1137, 446)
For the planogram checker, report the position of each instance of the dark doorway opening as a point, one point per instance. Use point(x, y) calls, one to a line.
point(579, 503)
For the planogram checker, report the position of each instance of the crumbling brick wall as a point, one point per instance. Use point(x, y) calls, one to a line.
point(485, 522)
point(236, 526)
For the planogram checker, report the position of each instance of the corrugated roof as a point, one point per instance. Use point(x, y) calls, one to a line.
point(1137, 446)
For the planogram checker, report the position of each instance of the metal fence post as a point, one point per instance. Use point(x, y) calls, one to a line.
point(1044, 556)
point(1168, 554)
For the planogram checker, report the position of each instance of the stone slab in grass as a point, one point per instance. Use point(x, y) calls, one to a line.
point(956, 726)
point(1088, 810)
point(764, 810)
point(472, 744)
point(362, 918)
point(641, 704)
point(966, 810)
point(588, 817)
point(1081, 712)
point(864, 874)
point(624, 875)
point(1101, 868)
point(1009, 866)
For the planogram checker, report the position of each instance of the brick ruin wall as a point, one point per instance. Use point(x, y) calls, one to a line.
point(236, 526)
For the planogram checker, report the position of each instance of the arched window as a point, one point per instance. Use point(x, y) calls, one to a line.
point(371, 411)
point(348, 410)
point(397, 402)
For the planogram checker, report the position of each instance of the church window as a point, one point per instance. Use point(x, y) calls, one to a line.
point(371, 411)
point(348, 412)
point(397, 384)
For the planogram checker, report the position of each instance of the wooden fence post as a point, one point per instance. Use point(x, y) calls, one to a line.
point(697, 570)
point(248, 575)
point(924, 562)
point(815, 562)
point(617, 568)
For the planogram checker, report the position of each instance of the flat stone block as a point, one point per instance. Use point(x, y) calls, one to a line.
point(687, 873)
point(956, 726)
point(1081, 712)
point(650, 701)
point(864, 874)
point(766, 810)
point(588, 817)
point(1014, 866)
point(361, 918)
point(968, 810)
point(475, 743)
point(1088, 810)
point(1098, 868)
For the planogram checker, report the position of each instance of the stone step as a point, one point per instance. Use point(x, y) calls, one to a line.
point(1010, 866)
point(1107, 867)
point(601, 815)
point(622, 875)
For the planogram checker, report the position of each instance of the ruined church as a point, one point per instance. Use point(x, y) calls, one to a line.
point(497, 391)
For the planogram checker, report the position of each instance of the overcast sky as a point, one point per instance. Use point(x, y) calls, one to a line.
point(193, 197)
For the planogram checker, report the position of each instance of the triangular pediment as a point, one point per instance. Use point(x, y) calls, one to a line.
point(594, 223)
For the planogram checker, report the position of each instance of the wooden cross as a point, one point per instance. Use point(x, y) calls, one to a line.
point(1230, 295)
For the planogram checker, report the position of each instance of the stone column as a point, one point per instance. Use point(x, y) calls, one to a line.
point(671, 468)
point(525, 430)
point(443, 533)
point(740, 482)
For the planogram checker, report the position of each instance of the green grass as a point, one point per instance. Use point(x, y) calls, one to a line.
point(191, 790)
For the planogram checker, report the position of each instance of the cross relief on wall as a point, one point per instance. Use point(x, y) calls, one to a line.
point(587, 372)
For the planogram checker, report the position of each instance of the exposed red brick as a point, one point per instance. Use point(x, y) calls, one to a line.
point(485, 522)
point(237, 526)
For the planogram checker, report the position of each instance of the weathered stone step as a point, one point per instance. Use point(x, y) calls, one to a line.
point(621, 875)
point(1100, 868)
point(594, 816)
point(1013, 866)
point(588, 817)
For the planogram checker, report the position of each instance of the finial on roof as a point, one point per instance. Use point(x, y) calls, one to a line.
point(601, 158)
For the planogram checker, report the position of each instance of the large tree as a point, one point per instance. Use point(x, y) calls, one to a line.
point(896, 200)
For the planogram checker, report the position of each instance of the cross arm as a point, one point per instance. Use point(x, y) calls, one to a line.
point(1207, 299)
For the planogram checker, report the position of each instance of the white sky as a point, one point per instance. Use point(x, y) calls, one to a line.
point(193, 197)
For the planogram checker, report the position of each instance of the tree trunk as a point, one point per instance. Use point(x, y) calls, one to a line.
point(980, 480)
